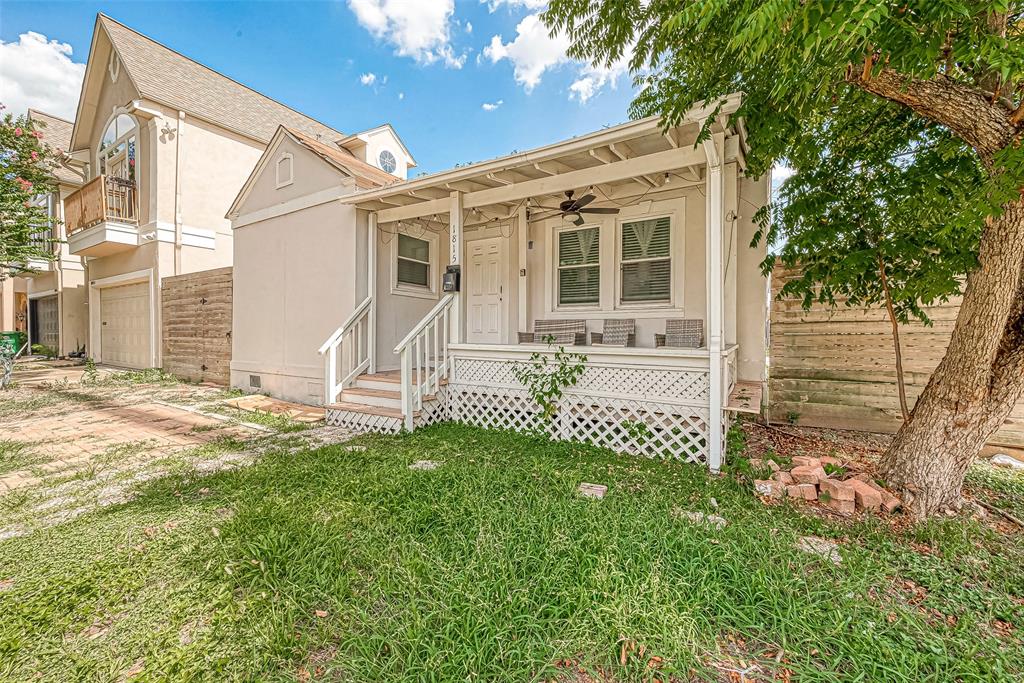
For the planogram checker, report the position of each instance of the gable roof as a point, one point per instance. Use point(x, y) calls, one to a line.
point(366, 177)
point(385, 126)
point(57, 134)
point(163, 75)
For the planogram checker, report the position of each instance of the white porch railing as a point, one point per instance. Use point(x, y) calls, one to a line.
point(729, 371)
point(349, 348)
point(424, 358)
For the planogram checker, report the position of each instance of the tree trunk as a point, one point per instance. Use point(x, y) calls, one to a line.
point(976, 384)
point(900, 384)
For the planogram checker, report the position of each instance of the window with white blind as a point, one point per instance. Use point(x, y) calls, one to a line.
point(413, 262)
point(645, 261)
point(579, 267)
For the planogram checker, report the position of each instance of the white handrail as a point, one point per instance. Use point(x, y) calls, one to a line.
point(446, 302)
point(346, 326)
point(424, 357)
point(359, 355)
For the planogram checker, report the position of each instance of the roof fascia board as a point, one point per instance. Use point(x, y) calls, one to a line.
point(728, 105)
point(512, 161)
point(657, 162)
point(89, 63)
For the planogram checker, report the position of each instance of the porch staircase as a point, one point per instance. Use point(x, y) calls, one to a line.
point(373, 403)
point(362, 400)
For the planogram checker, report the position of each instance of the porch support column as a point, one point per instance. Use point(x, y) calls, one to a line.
point(455, 221)
point(714, 148)
point(371, 288)
point(523, 238)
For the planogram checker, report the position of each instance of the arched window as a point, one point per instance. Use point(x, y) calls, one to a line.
point(119, 147)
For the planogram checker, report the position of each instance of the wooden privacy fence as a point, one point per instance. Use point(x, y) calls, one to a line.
point(196, 323)
point(837, 367)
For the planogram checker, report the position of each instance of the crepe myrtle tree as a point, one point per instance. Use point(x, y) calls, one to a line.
point(937, 86)
point(26, 166)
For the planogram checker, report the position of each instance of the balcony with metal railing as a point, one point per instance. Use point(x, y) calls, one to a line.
point(102, 218)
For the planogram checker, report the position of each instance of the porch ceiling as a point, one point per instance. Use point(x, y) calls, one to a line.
point(629, 160)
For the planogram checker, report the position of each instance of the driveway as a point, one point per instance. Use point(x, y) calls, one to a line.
point(73, 440)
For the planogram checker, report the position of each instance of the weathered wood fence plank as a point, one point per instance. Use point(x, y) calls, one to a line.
point(836, 367)
point(196, 325)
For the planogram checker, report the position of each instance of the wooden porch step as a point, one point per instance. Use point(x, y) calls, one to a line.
point(390, 376)
point(746, 398)
point(367, 410)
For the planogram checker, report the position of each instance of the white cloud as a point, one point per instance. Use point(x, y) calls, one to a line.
point(469, 27)
point(401, 95)
point(532, 52)
point(368, 78)
point(593, 78)
point(37, 72)
point(420, 29)
point(493, 5)
point(491, 106)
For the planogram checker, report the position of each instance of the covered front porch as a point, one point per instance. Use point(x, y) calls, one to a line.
point(632, 228)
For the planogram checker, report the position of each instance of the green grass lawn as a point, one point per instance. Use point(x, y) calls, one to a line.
point(346, 565)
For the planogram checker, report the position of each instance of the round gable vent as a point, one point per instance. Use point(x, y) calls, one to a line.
point(386, 160)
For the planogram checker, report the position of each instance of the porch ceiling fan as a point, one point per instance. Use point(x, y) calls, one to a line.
point(573, 209)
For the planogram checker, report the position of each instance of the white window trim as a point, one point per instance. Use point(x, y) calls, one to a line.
point(555, 305)
point(135, 132)
point(285, 156)
point(429, 292)
point(673, 231)
point(114, 67)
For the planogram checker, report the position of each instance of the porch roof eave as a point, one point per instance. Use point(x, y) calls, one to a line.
point(423, 191)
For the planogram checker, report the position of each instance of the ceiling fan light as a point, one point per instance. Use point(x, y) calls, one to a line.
point(572, 215)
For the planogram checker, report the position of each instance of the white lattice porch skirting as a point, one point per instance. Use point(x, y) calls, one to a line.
point(652, 404)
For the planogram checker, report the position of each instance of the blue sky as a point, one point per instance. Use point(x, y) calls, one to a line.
point(435, 64)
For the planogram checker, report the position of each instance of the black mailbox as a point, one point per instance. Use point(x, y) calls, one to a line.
point(450, 279)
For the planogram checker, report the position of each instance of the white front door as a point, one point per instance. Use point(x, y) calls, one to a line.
point(485, 287)
point(124, 325)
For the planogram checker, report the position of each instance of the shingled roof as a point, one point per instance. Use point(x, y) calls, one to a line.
point(165, 76)
point(366, 176)
point(57, 135)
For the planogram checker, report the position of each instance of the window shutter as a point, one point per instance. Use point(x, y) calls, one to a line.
point(579, 270)
point(577, 247)
point(579, 285)
point(647, 261)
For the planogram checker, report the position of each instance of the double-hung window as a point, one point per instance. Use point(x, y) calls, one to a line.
point(579, 267)
point(646, 261)
point(413, 262)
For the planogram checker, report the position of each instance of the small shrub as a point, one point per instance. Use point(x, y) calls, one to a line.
point(547, 379)
point(44, 350)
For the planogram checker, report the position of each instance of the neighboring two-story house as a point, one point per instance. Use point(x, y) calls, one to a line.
point(166, 144)
point(56, 311)
point(48, 300)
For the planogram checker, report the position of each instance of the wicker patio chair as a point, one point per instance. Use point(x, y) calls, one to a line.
point(681, 333)
point(617, 332)
point(566, 332)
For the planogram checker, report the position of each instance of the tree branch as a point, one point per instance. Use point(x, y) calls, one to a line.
point(968, 112)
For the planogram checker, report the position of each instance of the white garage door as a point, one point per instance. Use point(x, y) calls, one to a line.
point(124, 325)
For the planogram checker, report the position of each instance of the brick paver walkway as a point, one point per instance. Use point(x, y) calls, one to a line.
point(72, 439)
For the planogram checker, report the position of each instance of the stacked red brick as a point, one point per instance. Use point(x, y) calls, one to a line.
point(808, 480)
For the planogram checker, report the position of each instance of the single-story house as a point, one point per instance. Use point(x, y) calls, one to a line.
point(398, 303)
